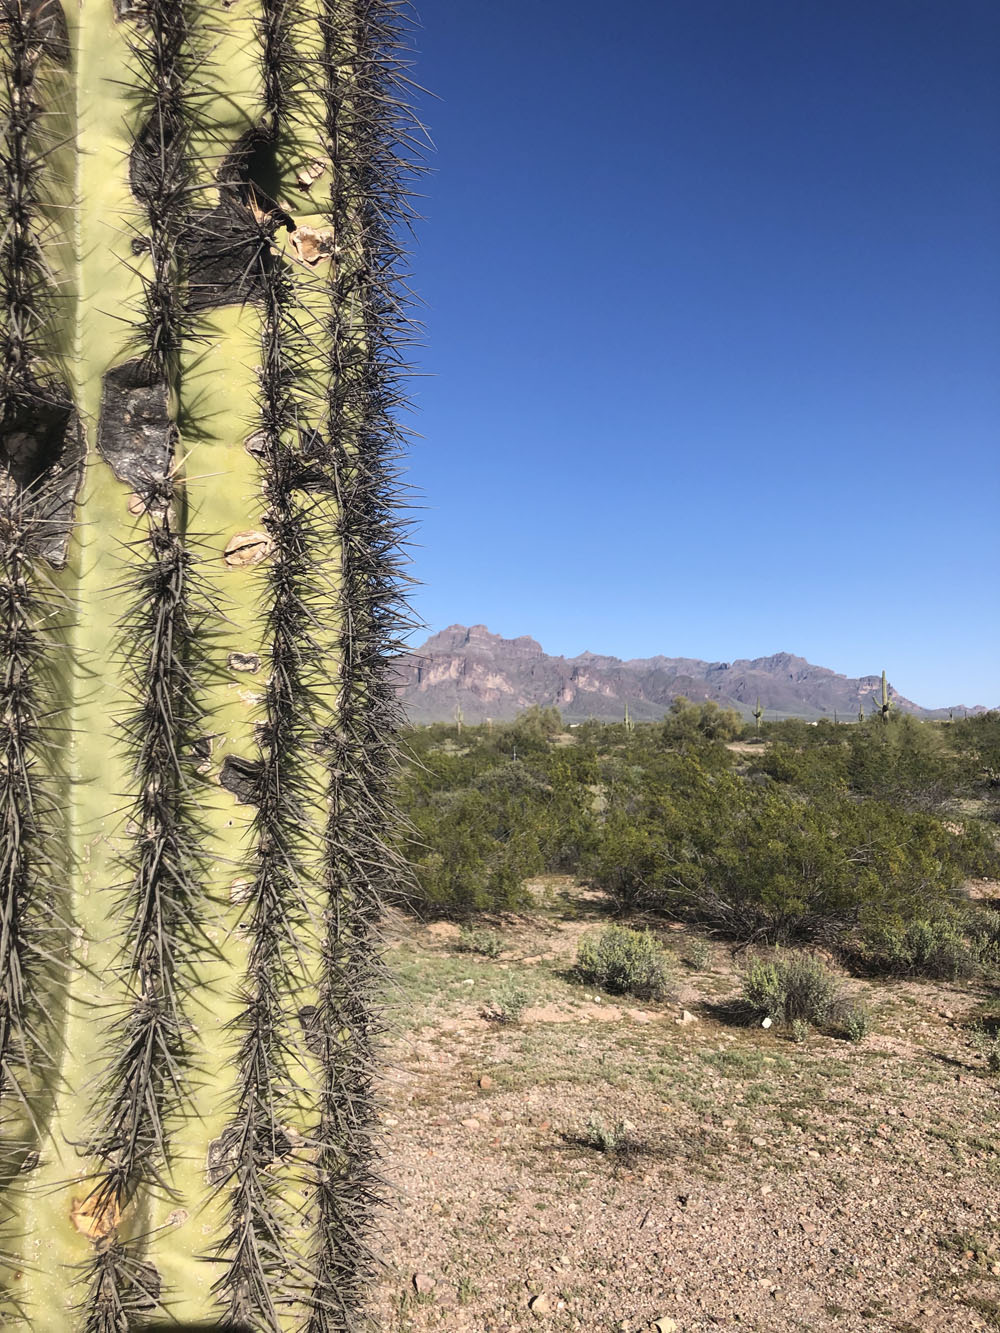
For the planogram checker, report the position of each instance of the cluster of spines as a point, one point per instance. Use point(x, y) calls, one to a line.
point(159, 649)
point(262, 1274)
point(26, 909)
point(368, 132)
point(25, 283)
point(25, 906)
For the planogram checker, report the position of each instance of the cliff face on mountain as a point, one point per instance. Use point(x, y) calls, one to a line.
point(486, 676)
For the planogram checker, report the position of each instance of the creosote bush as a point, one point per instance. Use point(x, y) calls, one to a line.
point(927, 946)
point(623, 962)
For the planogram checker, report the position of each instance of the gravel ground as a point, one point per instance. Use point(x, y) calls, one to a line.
point(760, 1184)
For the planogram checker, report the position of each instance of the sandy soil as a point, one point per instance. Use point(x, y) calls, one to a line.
point(761, 1184)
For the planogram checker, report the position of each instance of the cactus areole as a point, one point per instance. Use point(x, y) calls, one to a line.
point(201, 333)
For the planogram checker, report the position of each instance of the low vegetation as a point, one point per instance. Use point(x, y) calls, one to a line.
point(860, 839)
point(624, 962)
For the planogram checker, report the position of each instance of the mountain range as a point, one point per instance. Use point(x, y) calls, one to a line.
point(470, 673)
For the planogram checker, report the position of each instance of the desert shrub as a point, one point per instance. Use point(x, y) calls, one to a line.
point(905, 762)
point(793, 988)
point(925, 946)
point(506, 1003)
point(473, 852)
point(690, 723)
point(812, 769)
point(697, 953)
point(852, 1020)
point(989, 1047)
point(623, 962)
point(487, 943)
point(631, 864)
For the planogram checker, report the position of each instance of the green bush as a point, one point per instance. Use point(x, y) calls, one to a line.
point(852, 1020)
point(690, 723)
point(925, 946)
point(792, 989)
point(507, 1003)
point(487, 943)
point(623, 962)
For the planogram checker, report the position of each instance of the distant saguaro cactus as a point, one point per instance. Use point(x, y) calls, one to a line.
point(201, 328)
point(885, 705)
point(758, 713)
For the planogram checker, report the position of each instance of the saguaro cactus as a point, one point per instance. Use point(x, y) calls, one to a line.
point(885, 705)
point(201, 323)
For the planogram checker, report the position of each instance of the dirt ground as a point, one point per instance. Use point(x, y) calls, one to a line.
point(760, 1183)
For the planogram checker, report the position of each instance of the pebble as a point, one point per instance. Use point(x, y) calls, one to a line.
point(486, 1083)
point(540, 1304)
point(423, 1282)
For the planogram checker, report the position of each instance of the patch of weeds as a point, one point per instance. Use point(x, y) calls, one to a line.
point(506, 1004)
point(623, 962)
point(618, 1140)
point(486, 943)
point(968, 1243)
point(982, 1305)
point(737, 1063)
point(467, 1291)
point(799, 1030)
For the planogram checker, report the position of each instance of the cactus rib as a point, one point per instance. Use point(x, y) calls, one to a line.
point(368, 200)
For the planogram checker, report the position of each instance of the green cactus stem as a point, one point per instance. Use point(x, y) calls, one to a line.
point(758, 714)
point(202, 328)
point(885, 705)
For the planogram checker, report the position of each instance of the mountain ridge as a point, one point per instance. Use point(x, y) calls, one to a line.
point(470, 672)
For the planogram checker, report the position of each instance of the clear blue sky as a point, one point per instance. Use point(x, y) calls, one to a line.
point(713, 331)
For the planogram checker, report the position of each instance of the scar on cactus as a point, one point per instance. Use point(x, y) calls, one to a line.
point(41, 453)
point(135, 433)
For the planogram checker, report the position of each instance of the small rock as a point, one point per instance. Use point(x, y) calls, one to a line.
point(471, 1123)
point(759, 1143)
point(766, 1023)
point(687, 1017)
point(486, 1083)
point(423, 1282)
point(664, 1325)
point(540, 1304)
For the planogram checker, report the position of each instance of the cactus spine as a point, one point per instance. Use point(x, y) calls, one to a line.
point(200, 370)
